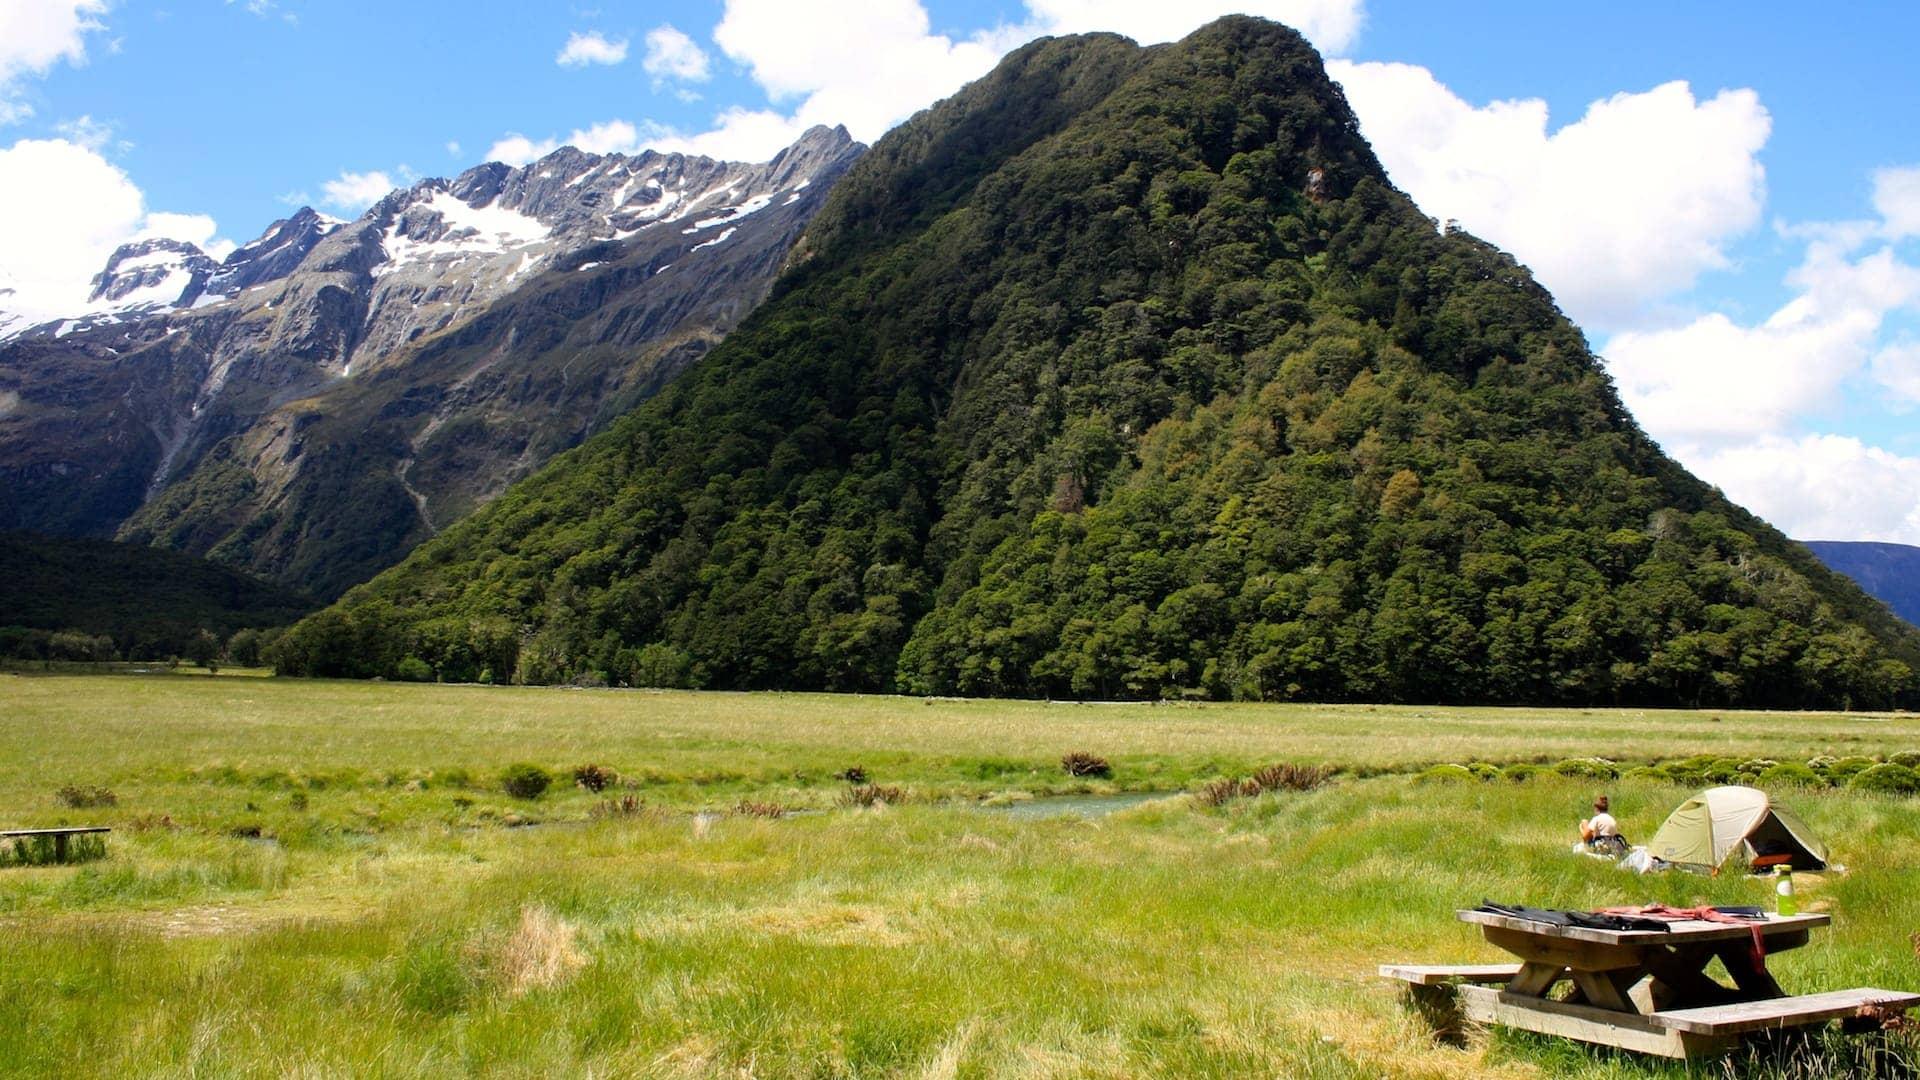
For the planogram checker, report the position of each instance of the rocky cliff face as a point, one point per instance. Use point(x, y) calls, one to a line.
point(332, 393)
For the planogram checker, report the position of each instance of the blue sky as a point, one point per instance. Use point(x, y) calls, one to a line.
point(1725, 196)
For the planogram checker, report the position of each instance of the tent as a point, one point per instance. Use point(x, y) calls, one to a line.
point(1710, 827)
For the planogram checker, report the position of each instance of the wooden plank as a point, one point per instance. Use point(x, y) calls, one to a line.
point(1578, 954)
point(1686, 931)
point(1436, 974)
point(1534, 980)
point(55, 832)
point(1604, 1027)
point(1780, 1012)
point(1603, 988)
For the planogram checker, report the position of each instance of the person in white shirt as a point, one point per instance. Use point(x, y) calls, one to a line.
point(1600, 832)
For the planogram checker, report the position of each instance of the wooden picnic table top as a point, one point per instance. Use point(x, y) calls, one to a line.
point(1685, 931)
point(69, 830)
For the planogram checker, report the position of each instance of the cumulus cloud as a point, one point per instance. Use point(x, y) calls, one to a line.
point(673, 55)
point(34, 36)
point(1897, 369)
point(63, 209)
point(606, 137)
point(1613, 212)
point(1332, 25)
point(1896, 196)
point(353, 192)
point(591, 48)
point(1821, 487)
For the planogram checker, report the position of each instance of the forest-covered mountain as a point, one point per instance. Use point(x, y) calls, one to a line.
point(58, 595)
point(1126, 373)
point(1888, 572)
point(334, 392)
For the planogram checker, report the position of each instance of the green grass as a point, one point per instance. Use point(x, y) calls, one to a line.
point(386, 922)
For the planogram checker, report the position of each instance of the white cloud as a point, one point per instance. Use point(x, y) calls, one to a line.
point(34, 36)
point(1614, 212)
point(591, 48)
point(354, 192)
point(1897, 369)
point(63, 209)
point(1896, 195)
point(453, 147)
point(1332, 25)
point(1822, 487)
point(673, 55)
point(88, 132)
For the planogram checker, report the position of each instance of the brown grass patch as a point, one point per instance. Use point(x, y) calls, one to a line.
point(543, 951)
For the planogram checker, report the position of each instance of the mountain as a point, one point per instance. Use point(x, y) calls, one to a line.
point(1126, 373)
point(1889, 573)
point(332, 393)
point(150, 602)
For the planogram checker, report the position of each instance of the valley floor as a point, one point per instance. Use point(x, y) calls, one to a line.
point(312, 878)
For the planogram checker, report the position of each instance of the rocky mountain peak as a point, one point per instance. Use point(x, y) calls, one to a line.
point(156, 272)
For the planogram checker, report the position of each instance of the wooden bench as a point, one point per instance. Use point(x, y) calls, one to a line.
point(59, 836)
point(1675, 1033)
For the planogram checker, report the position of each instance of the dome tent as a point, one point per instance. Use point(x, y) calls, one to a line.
point(1708, 828)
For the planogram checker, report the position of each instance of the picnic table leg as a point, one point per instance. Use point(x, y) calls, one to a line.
point(60, 847)
point(1754, 980)
point(1680, 977)
point(1607, 989)
point(1535, 979)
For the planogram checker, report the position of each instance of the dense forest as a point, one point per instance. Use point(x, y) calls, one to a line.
point(64, 598)
point(1126, 373)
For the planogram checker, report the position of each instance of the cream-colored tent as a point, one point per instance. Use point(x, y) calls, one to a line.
point(1713, 825)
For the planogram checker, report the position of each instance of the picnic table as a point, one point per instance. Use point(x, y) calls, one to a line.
point(59, 836)
point(1645, 990)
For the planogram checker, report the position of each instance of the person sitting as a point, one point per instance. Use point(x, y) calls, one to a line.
point(1600, 833)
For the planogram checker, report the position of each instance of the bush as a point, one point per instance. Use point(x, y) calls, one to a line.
point(872, 794)
point(1889, 779)
point(1790, 774)
point(1223, 791)
point(852, 774)
point(82, 798)
point(1292, 777)
point(1591, 768)
point(524, 781)
point(1483, 771)
point(625, 806)
point(1753, 767)
point(749, 808)
point(595, 778)
point(412, 669)
point(1909, 758)
point(1722, 771)
point(1081, 763)
point(1445, 774)
point(1520, 771)
point(1646, 772)
point(1822, 763)
point(1844, 770)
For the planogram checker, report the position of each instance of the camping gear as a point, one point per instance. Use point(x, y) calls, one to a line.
point(1711, 827)
point(1783, 890)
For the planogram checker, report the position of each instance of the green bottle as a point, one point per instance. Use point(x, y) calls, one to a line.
point(1784, 902)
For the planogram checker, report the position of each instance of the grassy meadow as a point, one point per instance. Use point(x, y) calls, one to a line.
point(318, 879)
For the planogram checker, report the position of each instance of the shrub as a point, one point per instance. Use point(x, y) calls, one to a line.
point(595, 778)
point(1790, 774)
point(625, 806)
point(1909, 758)
point(1483, 771)
point(82, 798)
point(412, 669)
point(1520, 771)
point(1844, 770)
point(1292, 777)
point(1822, 763)
point(1591, 768)
point(749, 808)
point(1081, 763)
point(1646, 772)
point(1888, 779)
point(872, 794)
point(524, 781)
point(852, 774)
point(1722, 771)
point(1223, 791)
point(1445, 774)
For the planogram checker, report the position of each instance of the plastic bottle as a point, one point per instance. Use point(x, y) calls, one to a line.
point(1783, 901)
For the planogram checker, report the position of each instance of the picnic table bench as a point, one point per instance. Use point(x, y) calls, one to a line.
point(59, 836)
point(1644, 990)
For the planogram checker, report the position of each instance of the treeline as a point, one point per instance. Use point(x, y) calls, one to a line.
point(1125, 373)
point(67, 598)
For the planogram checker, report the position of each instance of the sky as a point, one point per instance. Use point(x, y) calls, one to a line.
point(1724, 196)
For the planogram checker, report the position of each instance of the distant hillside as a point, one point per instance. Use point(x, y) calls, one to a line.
point(1127, 373)
point(1889, 572)
point(150, 602)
